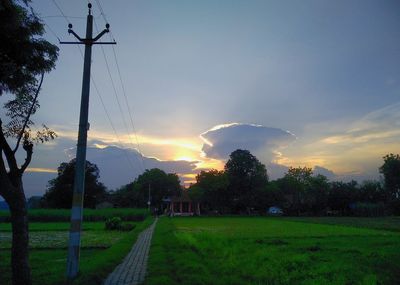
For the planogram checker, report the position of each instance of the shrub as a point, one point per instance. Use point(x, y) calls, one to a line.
point(113, 223)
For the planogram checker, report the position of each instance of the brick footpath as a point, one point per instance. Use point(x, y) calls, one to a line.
point(133, 269)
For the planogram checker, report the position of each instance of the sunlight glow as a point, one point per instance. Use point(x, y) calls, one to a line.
point(39, 169)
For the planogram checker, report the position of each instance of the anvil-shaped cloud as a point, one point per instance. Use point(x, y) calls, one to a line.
point(264, 142)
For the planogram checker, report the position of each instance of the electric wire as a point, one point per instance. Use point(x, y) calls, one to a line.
point(117, 99)
point(98, 93)
point(122, 83)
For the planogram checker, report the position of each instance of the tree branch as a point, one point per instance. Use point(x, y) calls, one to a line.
point(4, 181)
point(12, 162)
point(28, 147)
point(28, 115)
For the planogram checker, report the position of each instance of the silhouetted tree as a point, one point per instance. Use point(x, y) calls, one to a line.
point(342, 195)
point(246, 175)
point(136, 193)
point(60, 190)
point(24, 58)
point(212, 188)
point(391, 173)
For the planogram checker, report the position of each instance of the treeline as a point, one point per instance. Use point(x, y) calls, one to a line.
point(243, 188)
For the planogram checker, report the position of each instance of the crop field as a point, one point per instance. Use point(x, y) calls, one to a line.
point(90, 215)
point(259, 250)
point(102, 250)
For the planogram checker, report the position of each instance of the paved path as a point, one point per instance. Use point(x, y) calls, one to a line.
point(133, 269)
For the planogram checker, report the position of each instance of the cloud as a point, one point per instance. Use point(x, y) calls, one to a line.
point(264, 142)
point(276, 171)
point(319, 170)
point(379, 125)
point(119, 166)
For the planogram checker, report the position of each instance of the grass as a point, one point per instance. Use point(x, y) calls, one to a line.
point(55, 226)
point(101, 251)
point(59, 239)
point(384, 223)
point(64, 215)
point(271, 251)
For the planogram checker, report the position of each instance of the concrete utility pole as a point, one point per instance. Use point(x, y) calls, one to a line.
point(149, 200)
point(79, 182)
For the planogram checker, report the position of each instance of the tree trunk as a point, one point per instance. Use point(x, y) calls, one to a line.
point(21, 273)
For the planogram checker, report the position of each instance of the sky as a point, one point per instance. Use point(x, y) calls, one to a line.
point(298, 83)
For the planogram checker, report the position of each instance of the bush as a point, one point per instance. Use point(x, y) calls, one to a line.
point(113, 223)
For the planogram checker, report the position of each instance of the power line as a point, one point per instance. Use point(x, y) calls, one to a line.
point(52, 32)
point(97, 91)
point(115, 93)
point(111, 123)
point(61, 11)
point(128, 106)
point(101, 10)
point(122, 84)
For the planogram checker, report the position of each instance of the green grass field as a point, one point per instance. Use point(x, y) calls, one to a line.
point(92, 215)
point(101, 250)
point(380, 223)
point(258, 250)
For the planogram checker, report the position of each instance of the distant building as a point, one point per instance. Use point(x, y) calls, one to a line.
point(181, 205)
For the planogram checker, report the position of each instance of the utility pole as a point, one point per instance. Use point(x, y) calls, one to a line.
point(149, 200)
point(79, 182)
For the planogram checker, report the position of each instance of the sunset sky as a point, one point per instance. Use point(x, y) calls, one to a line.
point(313, 83)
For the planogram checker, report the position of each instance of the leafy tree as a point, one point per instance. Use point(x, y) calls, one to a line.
point(59, 193)
point(24, 58)
point(212, 187)
point(301, 175)
point(136, 193)
point(294, 185)
point(391, 173)
point(342, 195)
point(246, 174)
point(316, 194)
point(371, 191)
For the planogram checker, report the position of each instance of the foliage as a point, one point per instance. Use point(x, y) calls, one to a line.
point(211, 189)
point(23, 53)
point(391, 173)
point(136, 194)
point(60, 190)
point(246, 175)
point(243, 187)
point(24, 58)
point(113, 223)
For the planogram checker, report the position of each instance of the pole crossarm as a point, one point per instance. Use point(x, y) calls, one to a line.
point(89, 41)
point(83, 43)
